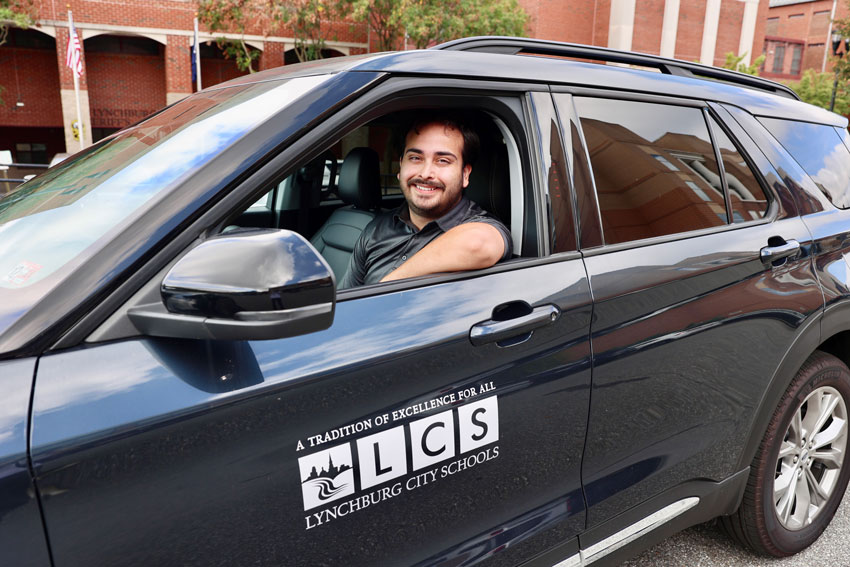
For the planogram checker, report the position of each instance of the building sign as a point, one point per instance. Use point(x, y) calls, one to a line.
point(117, 117)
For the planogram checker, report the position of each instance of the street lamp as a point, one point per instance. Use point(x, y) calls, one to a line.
point(836, 43)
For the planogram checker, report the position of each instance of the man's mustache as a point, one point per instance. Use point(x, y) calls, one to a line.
point(420, 181)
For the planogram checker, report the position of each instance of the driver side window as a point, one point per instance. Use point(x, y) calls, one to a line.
point(331, 197)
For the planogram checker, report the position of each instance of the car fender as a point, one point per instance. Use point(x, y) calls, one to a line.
point(807, 341)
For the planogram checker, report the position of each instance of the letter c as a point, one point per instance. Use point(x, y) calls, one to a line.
point(428, 430)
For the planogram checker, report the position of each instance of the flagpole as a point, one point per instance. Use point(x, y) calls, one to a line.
point(80, 132)
point(197, 56)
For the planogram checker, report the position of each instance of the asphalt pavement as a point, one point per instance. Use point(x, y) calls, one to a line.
point(707, 546)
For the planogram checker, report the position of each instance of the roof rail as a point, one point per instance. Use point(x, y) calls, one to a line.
point(520, 45)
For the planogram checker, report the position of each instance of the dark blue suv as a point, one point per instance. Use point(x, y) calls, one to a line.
point(183, 384)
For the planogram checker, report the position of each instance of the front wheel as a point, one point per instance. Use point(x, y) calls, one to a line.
point(800, 471)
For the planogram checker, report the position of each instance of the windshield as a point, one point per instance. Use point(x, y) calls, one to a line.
point(54, 222)
point(56, 216)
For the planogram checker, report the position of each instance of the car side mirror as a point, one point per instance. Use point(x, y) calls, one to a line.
point(245, 285)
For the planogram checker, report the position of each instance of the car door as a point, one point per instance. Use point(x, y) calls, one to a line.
point(701, 283)
point(419, 429)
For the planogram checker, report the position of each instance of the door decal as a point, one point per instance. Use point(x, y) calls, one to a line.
point(379, 466)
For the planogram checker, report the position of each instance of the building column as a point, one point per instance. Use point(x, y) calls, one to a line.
point(669, 27)
point(748, 30)
point(709, 32)
point(66, 91)
point(621, 25)
point(178, 68)
point(272, 55)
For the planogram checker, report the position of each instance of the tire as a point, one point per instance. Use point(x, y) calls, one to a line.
point(797, 480)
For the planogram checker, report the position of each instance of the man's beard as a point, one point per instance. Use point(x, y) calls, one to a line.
point(439, 209)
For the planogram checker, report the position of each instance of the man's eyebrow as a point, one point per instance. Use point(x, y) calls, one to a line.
point(418, 151)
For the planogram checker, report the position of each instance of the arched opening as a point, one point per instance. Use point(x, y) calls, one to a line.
point(126, 80)
point(290, 57)
point(31, 113)
point(216, 67)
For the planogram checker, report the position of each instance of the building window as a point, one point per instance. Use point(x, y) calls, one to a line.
point(795, 16)
point(796, 56)
point(778, 58)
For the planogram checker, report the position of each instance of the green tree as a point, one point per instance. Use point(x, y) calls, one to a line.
point(307, 18)
point(383, 18)
point(436, 21)
point(736, 63)
point(234, 16)
point(816, 88)
point(16, 13)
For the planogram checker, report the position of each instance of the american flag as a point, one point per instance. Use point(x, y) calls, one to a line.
point(72, 56)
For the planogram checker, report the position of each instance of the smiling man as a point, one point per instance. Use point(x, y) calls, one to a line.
point(437, 229)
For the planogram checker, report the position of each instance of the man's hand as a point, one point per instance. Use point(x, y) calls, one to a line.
point(468, 246)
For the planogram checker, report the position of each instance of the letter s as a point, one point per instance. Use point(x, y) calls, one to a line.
point(479, 423)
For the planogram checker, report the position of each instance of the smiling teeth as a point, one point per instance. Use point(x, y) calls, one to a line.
point(425, 188)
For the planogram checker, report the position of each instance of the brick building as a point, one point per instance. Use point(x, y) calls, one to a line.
point(136, 55)
point(797, 36)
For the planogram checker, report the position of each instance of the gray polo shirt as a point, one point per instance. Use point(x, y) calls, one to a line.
point(391, 238)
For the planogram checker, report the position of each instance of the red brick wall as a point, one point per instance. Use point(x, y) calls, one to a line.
point(178, 62)
point(118, 98)
point(804, 28)
point(649, 17)
point(272, 56)
point(168, 14)
point(574, 21)
point(215, 71)
point(582, 21)
point(38, 79)
point(689, 34)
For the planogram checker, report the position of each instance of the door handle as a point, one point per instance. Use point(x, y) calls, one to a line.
point(495, 331)
point(770, 254)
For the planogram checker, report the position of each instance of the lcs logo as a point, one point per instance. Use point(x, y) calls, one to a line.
point(329, 475)
point(326, 476)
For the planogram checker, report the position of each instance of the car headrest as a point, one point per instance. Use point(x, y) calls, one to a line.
point(360, 179)
point(489, 182)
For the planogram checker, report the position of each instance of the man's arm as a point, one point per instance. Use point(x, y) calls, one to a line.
point(468, 246)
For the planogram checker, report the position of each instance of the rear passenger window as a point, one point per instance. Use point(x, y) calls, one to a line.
point(820, 151)
point(654, 166)
point(746, 197)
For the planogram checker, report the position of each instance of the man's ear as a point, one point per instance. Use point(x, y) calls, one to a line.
point(467, 169)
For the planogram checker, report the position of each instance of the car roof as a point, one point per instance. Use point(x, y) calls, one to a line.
point(757, 96)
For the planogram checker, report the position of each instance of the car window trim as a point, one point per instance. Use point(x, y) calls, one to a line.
point(385, 96)
point(705, 107)
point(772, 207)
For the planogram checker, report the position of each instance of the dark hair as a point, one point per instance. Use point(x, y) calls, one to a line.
point(471, 143)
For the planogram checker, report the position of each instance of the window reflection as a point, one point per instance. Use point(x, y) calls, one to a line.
point(747, 198)
point(654, 166)
point(820, 151)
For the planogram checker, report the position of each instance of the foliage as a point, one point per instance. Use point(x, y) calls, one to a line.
point(384, 18)
point(435, 21)
point(16, 13)
point(816, 88)
point(305, 17)
point(736, 63)
point(234, 16)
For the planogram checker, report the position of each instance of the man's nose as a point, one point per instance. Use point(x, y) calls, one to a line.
point(427, 169)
